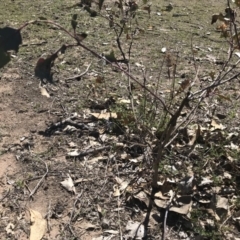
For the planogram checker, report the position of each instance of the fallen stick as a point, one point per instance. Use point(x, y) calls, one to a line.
point(80, 75)
point(91, 151)
point(39, 183)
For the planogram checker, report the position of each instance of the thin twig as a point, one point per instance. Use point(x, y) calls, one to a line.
point(214, 85)
point(39, 183)
point(74, 206)
point(5, 195)
point(80, 75)
point(48, 216)
point(165, 217)
point(92, 151)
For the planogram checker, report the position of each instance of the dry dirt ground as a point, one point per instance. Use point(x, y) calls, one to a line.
point(36, 154)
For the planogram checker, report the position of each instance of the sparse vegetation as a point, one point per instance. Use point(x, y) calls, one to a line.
point(130, 108)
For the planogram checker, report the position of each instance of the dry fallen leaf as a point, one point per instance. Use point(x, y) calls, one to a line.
point(219, 207)
point(185, 203)
point(120, 188)
point(44, 92)
point(216, 126)
point(136, 230)
point(87, 225)
point(9, 229)
point(142, 196)
point(205, 181)
point(38, 225)
point(73, 153)
point(104, 115)
point(68, 184)
point(161, 203)
point(116, 191)
point(114, 232)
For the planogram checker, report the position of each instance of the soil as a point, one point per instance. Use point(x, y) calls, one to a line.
point(32, 145)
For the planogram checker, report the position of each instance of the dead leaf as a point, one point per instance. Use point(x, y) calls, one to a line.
point(216, 126)
point(161, 203)
point(185, 203)
point(99, 79)
point(104, 115)
point(69, 129)
point(161, 196)
point(68, 184)
point(136, 230)
point(99, 209)
point(97, 159)
point(9, 229)
point(220, 207)
point(186, 185)
point(44, 92)
point(87, 225)
point(196, 135)
point(184, 85)
point(74, 153)
point(222, 203)
point(72, 144)
point(80, 180)
point(114, 232)
point(116, 191)
point(124, 101)
point(38, 225)
point(205, 181)
point(142, 196)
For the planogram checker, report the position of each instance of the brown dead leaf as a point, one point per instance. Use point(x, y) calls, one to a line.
point(184, 205)
point(87, 225)
point(68, 184)
point(216, 126)
point(99, 79)
point(196, 135)
point(161, 203)
point(9, 229)
point(161, 196)
point(44, 92)
point(38, 225)
point(120, 187)
point(184, 85)
point(116, 191)
point(142, 196)
point(104, 115)
point(136, 230)
point(219, 207)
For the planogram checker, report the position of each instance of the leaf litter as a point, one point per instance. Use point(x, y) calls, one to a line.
point(127, 178)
